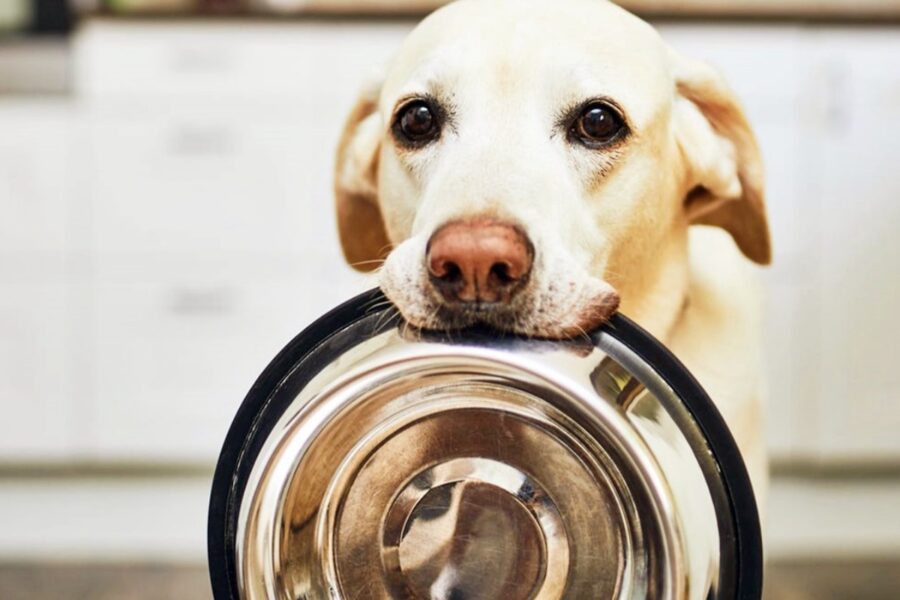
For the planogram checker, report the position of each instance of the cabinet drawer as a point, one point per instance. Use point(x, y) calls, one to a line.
point(789, 330)
point(36, 390)
point(221, 59)
point(35, 187)
point(141, 58)
point(859, 251)
point(187, 183)
point(175, 359)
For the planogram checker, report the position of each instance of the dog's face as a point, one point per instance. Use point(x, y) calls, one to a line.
point(526, 164)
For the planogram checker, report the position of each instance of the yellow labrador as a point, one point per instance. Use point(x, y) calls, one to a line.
point(535, 164)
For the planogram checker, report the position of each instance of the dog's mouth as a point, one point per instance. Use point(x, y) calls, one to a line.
point(533, 315)
point(458, 315)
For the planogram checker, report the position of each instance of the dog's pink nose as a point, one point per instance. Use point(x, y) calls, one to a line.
point(479, 260)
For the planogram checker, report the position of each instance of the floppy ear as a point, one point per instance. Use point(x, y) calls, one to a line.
point(726, 172)
point(360, 224)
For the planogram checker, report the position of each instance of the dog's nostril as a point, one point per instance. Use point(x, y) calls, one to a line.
point(452, 272)
point(500, 271)
point(449, 272)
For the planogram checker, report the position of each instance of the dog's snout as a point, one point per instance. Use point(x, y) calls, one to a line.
point(480, 260)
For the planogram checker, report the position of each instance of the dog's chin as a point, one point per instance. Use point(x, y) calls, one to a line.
point(528, 317)
point(461, 315)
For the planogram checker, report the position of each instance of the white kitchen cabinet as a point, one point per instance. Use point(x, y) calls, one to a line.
point(204, 268)
point(177, 346)
point(218, 60)
point(214, 238)
point(196, 183)
point(173, 361)
point(35, 179)
point(174, 357)
point(858, 262)
point(36, 393)
point(37, 282)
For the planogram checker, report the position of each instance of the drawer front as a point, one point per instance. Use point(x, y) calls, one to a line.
point(859, 251)
point(36, 391)
point(215, 183)
point(220, 59)
point(35, 185)
point(175, 359)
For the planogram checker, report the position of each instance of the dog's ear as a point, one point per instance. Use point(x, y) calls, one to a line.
point(725, 167)
point(363, 235)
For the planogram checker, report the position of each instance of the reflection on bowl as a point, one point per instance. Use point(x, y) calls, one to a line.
point(373, 461)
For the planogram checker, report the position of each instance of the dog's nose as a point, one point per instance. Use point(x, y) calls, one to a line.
point(481, 260)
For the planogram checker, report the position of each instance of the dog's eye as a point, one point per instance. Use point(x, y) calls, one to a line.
point(417, 123)
point(598, 124)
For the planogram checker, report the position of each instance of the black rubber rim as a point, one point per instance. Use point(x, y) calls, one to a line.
point(261, 409)
point(744, 511)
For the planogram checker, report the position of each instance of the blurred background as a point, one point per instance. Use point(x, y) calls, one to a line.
point(166, 227)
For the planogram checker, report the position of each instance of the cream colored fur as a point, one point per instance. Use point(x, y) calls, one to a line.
point(630, 218)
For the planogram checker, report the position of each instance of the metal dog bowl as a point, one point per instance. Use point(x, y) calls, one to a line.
point(373, 461)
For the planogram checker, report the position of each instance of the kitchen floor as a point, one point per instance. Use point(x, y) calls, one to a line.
point(801, 580)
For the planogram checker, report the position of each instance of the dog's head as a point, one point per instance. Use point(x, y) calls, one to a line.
point(527, 163)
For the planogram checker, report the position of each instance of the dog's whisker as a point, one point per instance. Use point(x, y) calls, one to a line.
point(582, 334)
point(377, 301)
point(386, 248)
point(363, 263)
point(385, 318)
point(376, 305)
point(386, 321)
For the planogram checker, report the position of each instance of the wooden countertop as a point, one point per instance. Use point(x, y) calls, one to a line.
point(812, 9)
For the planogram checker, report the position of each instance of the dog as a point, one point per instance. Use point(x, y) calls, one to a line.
point(535, 166)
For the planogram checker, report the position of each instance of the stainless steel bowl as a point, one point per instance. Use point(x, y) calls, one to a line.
point(371, 461)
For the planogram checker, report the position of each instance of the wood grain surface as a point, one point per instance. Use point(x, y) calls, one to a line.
point(838, 9)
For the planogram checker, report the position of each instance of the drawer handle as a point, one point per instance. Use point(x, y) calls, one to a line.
point(199, 302)
point(191, 60)
point(196, 140)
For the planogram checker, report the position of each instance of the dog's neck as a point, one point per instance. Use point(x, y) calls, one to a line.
point(655, 295)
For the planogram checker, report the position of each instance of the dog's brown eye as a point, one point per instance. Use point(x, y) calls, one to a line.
point(598, 124)
point(417, 123)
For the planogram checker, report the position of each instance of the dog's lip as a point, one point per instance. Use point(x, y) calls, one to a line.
point(477, 308)
point(457, 315)
point(511, 318)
